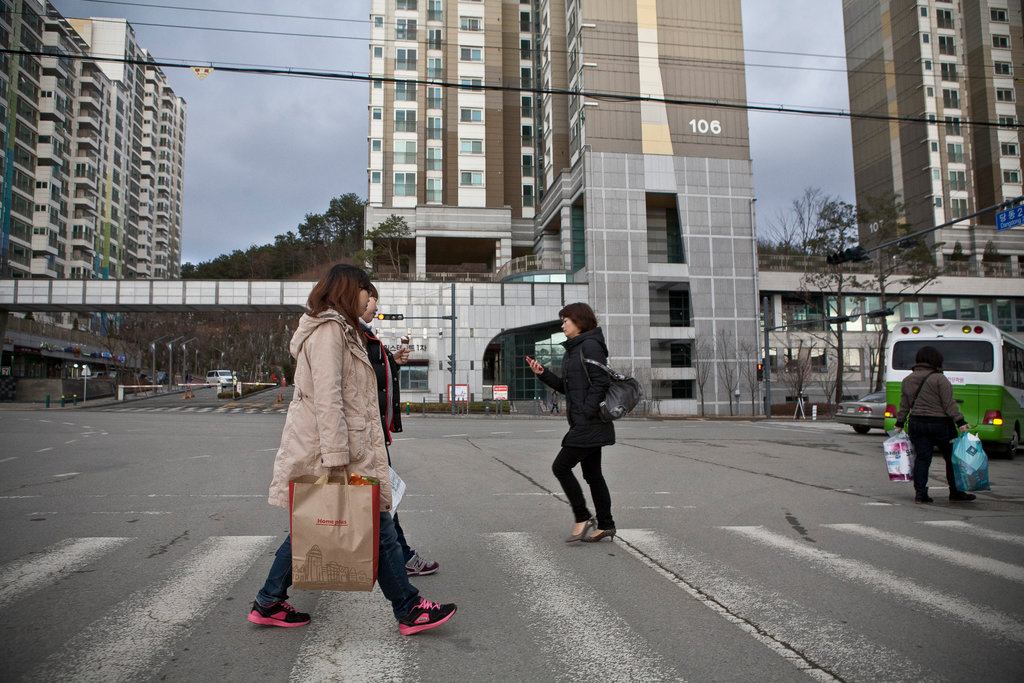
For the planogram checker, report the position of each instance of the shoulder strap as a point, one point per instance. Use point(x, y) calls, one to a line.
point(584, 359)
point(919, 388)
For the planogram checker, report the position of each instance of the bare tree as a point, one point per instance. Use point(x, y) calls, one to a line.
point(797, 370)
point(703, 364)
point(827, 380)
point(796, 228)
point(748, 360)
point(728, 372)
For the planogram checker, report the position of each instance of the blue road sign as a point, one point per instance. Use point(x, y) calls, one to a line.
point(1010, 218)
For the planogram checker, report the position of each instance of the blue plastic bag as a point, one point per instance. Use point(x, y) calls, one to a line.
point(970, 464)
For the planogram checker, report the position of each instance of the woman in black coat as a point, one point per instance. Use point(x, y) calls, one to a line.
point(584, 386)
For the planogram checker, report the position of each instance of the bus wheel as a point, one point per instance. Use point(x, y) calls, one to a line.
point(1011, 448)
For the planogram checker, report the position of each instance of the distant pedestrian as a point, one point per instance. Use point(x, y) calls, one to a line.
point(386, 366)
point(333, 428)
point(584, 387)
point(927, 397)
point(554, 404)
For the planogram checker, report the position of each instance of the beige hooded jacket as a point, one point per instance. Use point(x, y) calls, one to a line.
point(333, 419)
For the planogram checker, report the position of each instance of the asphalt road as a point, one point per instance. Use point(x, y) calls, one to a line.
point(137, 534)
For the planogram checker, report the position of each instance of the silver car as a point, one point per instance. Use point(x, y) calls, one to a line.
point(864, 414)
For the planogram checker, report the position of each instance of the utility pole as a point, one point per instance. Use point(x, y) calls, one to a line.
point(767, 366)
point(453, 350)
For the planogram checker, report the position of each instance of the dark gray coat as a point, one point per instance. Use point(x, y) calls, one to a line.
point(583, 396)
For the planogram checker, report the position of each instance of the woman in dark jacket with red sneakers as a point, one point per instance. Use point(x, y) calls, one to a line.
point(584, 386)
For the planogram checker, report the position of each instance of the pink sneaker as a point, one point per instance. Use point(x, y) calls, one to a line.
point(424, 615)
point(278, 614)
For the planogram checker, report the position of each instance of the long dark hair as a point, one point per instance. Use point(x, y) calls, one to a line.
point(929, 355)
point(339, 289)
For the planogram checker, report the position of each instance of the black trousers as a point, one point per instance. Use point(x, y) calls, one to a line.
point(590, 460)
point(927, 434)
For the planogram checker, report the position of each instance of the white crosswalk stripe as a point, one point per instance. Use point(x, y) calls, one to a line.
point(975, 563)
point(24, 576)
point(125, 642)
point(951, 606)
point(973, 529)
point(599, 645)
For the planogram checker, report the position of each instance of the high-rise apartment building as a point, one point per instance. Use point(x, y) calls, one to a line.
point(534, 141)
point(952, 63)
point(93, 151)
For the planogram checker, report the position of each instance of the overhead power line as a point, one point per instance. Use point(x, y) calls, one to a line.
point(604, 96)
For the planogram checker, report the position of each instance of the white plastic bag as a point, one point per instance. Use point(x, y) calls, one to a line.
point(899, 457)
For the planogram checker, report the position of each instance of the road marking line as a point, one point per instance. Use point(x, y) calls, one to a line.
point(448, 436)
point(502, 432)
point(964, 527)
point(354, 627)
point(43, 450)
point(600, 645)
point(123, 645)
point(886, 581)
point(18, 497)
point(13, 457)
point(67, 474)
point(68, 443)
point(1003, 570)
point(31, 573)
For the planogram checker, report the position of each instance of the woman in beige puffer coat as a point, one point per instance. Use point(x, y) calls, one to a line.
point(333, 427)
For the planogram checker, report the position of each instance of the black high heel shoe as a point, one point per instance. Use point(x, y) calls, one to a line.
point(581, 536)
point(601, 533)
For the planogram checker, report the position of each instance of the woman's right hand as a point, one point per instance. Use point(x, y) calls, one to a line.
point(535, 366)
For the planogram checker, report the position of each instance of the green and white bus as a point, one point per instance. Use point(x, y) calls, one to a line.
point(985, 366)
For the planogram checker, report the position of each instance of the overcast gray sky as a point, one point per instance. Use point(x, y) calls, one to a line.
point(263, 151)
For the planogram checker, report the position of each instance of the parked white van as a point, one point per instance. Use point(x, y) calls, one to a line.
point(222, 377)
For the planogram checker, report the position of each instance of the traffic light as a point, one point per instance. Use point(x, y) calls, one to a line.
point(857, 253)
point(390, 316)
point(760, 372)
point(451, 363)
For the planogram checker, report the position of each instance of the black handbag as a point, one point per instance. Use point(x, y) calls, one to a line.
point(623, 394)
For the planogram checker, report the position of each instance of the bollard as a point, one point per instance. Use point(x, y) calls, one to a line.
point(62, 400)
point(487, 408)
point(47, 400)
point(408, 408)
point(74, 399)
point(424, 405)
point(814, 412)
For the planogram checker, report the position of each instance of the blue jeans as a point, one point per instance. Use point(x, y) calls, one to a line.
point(407, 552)
point(391, 575)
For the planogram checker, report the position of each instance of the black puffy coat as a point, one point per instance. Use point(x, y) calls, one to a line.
point(379, 355)
point(583, 396)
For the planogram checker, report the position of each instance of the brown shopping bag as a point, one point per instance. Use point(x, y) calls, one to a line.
point(334, 528)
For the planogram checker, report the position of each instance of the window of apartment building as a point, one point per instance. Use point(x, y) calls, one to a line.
point(948, 70)
point(377, 84)
point(378, 51)
point(924, 11)
point(433, 98)
point(926, 38)
point(470, 24)
point(405, 4)
point(433, 189)
point(524, 22)
point(527, 195)
point(405, 152)
point(434, 39)
point(938, 201)
point(954, 152)
point(405, 184)
point(525, 49)
point(405, 91)
point(1004, 95)
point(1000, 41)
point(1003, 68)
point(528, 167)
point(433, 10)
point(471, 54)
point(947, 45)
point(950, 98)
point(1011, 176)
point(433, 67)
point(944, 18)
point(375, 145)
point(998, 14)
point(929, 91)
point(526, 76)
point(434, 158)
point(471, 146)
point(377, 113)
point(405, 29)
point(375, 177)
point(433, 127)
point(1008, 121)
point(471, 178)
point(1008, 149)
point(527, 104)
point(958, 207)
point(471, 84)
point(679, 308)
point(680, 355)
point(467, 115)
point(405, 120)
point(936, 174)
point(527, 136)
point(405, 59)
point(378, 22)
point(957, 180)
point(953, 125)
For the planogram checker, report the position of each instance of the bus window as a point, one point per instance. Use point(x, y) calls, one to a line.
point(957, 355)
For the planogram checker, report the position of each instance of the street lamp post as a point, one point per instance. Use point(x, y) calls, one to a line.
point(170, 356)
point(152, 348)
point(184, 354)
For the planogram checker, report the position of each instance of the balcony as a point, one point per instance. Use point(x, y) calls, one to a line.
point(44, 266)
point(802, 263)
